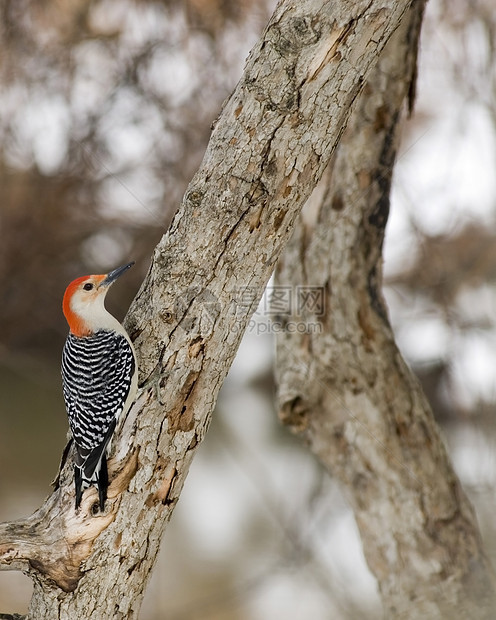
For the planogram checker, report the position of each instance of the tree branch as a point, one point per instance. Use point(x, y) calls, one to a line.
point(345, 388)
point(269, 147)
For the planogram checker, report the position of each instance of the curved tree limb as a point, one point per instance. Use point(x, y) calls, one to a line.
point(346, 390)
point(269, 147)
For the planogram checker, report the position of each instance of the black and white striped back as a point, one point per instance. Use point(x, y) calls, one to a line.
point(97, 373)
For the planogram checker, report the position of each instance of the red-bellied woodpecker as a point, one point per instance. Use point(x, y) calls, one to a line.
point(99, 377)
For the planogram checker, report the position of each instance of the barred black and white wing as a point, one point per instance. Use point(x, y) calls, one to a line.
point(97, 377)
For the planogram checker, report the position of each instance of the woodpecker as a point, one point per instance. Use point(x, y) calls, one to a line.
point(99, 377)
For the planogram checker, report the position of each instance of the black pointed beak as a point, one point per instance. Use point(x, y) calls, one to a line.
point(116, 273)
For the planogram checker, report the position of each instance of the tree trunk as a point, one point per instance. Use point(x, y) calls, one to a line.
point(344, 387)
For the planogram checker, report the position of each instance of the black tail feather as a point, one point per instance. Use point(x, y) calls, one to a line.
point(90, 468)
point(78, 483)
point(103, 482)
point(99, 479)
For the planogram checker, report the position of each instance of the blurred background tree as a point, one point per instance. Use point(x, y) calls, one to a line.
point(105, 111)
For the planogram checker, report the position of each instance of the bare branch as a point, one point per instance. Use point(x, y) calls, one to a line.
point(346, 390)
point(54, 541)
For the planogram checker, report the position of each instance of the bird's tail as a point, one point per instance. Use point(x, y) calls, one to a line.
point(98, 477)
point(90, 468)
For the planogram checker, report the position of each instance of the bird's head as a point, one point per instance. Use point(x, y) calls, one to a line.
point(84, 302)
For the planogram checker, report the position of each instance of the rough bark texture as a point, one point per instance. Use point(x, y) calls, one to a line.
point(271, 143)
point(346, 390)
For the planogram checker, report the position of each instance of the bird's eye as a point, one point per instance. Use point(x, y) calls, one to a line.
point(88, 286)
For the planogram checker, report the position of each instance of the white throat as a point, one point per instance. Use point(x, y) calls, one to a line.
point(95, 315)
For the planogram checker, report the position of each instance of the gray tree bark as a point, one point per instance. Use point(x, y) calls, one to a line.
point(270, 145)
point(344, 387)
